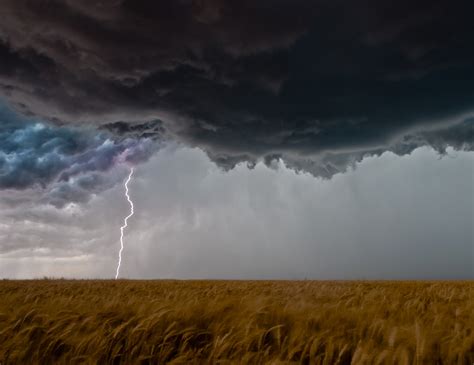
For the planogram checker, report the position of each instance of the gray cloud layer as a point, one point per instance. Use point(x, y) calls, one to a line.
point(320, 84)
point(391, 218)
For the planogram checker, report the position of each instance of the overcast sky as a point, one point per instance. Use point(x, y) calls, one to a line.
point(271, 139)
point(390, 218)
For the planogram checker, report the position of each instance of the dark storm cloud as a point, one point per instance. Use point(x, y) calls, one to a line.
point(68, 161)
point(459, 135)
point(320, 84)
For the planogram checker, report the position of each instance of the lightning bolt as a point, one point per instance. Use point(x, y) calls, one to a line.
point(125, 222)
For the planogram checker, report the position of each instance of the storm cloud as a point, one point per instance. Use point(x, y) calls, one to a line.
point(229, 109)
point(318, 84)
point(66, 164)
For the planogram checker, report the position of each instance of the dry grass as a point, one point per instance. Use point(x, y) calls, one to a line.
point(248, 322)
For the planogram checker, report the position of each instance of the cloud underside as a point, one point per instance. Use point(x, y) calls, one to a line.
point(63, 164)
point(318, 84)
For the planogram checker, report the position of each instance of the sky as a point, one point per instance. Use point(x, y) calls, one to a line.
point(282, 139)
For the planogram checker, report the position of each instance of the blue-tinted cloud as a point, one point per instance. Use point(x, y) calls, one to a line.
point(67, 162)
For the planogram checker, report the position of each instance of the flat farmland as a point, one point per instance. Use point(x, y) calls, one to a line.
point(243, 322)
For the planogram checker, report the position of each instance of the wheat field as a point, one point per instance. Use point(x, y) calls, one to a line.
point(242, 322)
